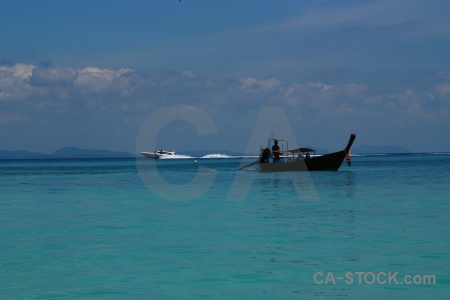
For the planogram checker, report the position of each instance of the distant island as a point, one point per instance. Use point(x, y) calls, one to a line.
point(66, 152)
point(370, 149)
point(75, 152)
point(363, 149)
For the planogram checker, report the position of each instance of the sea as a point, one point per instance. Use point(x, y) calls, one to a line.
point(199, 228)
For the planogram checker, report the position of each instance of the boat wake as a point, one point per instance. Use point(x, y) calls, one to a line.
point(207, 156)
point(367, 154)
point(176, 156)
point(218, 155)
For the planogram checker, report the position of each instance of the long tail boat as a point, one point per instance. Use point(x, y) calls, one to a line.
point(300, 159)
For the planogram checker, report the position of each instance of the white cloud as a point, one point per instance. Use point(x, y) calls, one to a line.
point(373, 14)
point(22, 81)
point(14, 83)
point(306, 94)
point(407, 16)
point(188, 74)
point(252, 85)
point(21, 71)
point(53, 76)
point(96, 80)
point(409, 106)
point(443, 89)
point(96, 97)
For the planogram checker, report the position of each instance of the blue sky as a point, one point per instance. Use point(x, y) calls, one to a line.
point(89, 73)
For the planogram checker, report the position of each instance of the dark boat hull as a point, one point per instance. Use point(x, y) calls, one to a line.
point(327, 162)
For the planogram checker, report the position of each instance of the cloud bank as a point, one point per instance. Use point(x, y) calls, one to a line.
point(98, 106)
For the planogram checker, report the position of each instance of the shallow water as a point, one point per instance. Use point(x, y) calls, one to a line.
point(183, 229)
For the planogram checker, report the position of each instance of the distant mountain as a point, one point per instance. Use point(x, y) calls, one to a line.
point(74, 152)
point(66, 152)
point(379, 149)
point(4, 154)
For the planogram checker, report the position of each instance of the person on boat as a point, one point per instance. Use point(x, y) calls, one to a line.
point(308, 156)
point(276, 152)
point(265, 156)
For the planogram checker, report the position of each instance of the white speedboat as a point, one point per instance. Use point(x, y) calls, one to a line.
point(158, 154)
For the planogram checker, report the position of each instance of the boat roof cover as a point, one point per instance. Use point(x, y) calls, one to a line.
point(301, 150)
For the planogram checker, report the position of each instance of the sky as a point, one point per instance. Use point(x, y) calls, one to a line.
point(96, 74)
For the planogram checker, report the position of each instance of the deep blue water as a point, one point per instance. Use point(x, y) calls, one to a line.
point(199, 229)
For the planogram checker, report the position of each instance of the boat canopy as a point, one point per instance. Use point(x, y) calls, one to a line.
point(298, 150)
point(292, 151)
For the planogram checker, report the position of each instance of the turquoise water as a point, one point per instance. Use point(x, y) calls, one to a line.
point(181, 228)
